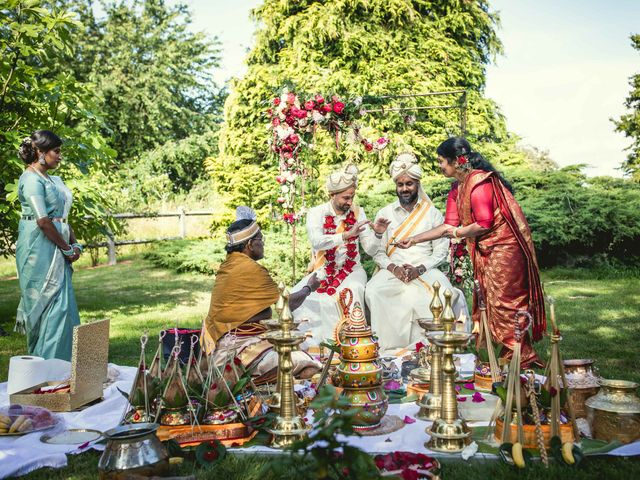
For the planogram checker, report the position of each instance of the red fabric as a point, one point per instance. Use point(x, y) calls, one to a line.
point(483, 204)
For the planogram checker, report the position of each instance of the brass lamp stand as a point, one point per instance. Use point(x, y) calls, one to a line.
point(430, 402)
point(449, 433)
point(288, 426)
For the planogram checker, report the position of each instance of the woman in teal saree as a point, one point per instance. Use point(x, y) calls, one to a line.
point(45, 250)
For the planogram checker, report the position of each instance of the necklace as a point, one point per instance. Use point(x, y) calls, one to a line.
point(335, 274)
point(42, 175)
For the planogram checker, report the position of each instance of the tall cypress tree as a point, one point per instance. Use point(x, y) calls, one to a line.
point(363, 48)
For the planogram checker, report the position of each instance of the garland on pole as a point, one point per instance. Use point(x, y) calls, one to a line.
point(294, 120)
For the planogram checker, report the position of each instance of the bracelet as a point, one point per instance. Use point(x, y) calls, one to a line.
point(78, 246)
point(454, 232)
point(307, 286)
point(378, 235)
point(68, 253)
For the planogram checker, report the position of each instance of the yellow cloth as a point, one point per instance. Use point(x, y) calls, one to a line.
point(243, 289)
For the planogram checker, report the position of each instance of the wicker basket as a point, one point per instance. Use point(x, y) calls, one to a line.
point(566, 433)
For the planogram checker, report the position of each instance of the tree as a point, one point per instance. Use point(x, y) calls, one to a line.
point(151, 74)
point(37, 94)
point(362, 48)
point(629, 124)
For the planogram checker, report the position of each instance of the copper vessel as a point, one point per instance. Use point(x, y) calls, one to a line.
point(614, 412)
point(582, 379)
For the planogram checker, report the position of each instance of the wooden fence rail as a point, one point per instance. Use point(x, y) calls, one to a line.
point(111, 243)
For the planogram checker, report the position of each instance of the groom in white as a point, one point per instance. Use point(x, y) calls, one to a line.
point(401, 291)
point(336, 229)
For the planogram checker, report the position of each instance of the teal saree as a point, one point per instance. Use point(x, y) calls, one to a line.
point(47, 310)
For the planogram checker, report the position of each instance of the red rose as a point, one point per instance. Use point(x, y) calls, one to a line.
point(462, 160)
point(290, 121)
point(338, 107)
point(335, 283)
point(298, 113)
point(293, 138)
point(331, 291)
point(275, 122)
point(291, 98)
point(321, 290)
point(326, 108)
point(352, 254)
point(276, 101)
point(210, 456)
point(309, 105)
point(351, 247)
point(319, 99)
point(419, 346)
point(368, 146)
point(269, 112)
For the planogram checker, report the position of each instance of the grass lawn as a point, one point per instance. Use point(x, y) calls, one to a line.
point(600, 319)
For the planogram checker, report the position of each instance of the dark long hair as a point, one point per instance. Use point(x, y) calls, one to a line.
point(39, 141)
point(454, 147)
point(236, 227)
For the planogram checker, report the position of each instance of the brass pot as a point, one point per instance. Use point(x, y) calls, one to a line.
point(359, 374)
point(614, 412)
point(373, 403)
point(359, 349)
point(582, 380)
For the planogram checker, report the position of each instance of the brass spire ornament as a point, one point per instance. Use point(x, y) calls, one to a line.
point(449, 433)
point(430, 402)
point(288, 426)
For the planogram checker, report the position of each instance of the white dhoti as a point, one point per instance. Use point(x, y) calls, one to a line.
point(322, 310)
point(396, 306)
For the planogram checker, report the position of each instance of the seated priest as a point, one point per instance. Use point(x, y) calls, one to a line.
point(401, 290)
point(242, 296)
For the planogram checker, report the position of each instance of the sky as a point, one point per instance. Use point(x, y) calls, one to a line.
point(564, 73)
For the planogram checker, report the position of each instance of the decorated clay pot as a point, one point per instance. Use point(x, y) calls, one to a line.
point(220, 416)
point(614, 412)
point(175, 417)
point(360, 374)
point(373, 403)
point(359, 349)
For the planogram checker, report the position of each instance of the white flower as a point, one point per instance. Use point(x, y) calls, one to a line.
point(317, 117)
point(283, 131)
point(284, 188)
point(358, 101)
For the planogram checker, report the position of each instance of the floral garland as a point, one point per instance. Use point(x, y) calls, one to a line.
point(336, 275)
point(294, 122)
point(460, 269)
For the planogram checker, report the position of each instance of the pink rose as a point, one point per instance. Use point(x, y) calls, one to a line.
point(309, 105)
point(275, 122)
point(291, 98)
point(293, 138)
point(319, 99)
point(326, 108)
point(281, 200)
point(338, 107)
point(280, 179)
point(276, 101)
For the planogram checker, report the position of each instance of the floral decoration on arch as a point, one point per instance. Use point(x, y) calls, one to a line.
point(294, 121)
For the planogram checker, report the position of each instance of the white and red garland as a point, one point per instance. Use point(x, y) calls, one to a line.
point(336, 274)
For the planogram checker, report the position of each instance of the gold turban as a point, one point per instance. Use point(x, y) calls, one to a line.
point(343, 179)
point(405, 163)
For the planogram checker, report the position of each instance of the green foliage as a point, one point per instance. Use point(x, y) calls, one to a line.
point(365, 48)
point(150, 73)
point(629, 124)
point(324, 453)
point(575, 218)
point(38, 93)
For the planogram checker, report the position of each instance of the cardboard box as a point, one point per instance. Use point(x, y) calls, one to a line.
point(89, 359)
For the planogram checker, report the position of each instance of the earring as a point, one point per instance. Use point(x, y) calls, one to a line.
point(41, 160)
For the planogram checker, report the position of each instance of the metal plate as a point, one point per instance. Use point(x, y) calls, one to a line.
point(74, 436)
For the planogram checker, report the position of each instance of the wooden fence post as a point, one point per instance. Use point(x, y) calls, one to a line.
point(183, 222)
point(111, 248)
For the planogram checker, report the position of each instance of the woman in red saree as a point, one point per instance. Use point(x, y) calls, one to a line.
point(481, 208)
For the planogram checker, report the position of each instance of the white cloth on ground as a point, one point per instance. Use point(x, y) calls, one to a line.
point(394, 305)
point(322, 309)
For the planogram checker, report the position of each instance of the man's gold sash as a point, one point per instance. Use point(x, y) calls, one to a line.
point(410, 224)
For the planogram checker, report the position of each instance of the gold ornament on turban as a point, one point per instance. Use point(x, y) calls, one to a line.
point(406, 163)
point(341, 180)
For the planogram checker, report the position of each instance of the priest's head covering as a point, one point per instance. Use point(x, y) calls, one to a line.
point(244, 228)
point(406, 163)
point(342, 179)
